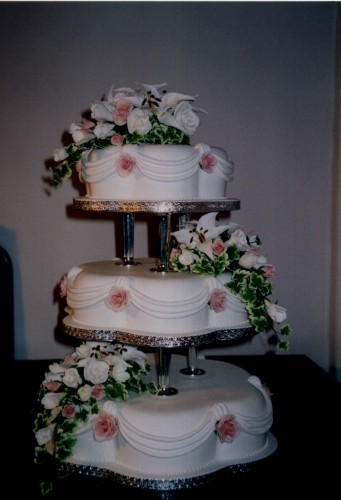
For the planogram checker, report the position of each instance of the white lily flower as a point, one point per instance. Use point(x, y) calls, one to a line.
point(201, 236)
point(119, 370)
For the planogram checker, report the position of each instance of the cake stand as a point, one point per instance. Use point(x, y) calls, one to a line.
point(165, 345)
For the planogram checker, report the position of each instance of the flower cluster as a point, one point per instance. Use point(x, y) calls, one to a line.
point(203, 247)
point(145, 115)
point(74, 390)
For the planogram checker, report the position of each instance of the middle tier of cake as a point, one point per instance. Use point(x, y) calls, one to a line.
point(140, 300)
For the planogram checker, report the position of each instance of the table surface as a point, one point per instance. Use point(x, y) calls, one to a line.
point(307, 424)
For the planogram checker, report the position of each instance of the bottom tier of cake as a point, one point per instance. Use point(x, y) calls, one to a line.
point(220, 419)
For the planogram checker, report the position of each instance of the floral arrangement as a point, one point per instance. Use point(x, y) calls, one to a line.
point(204, 247)
point(72, 391)
point(145, 115)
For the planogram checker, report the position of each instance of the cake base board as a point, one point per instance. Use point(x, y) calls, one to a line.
point(218, 378)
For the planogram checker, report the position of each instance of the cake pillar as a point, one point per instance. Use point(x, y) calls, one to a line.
point(164, 234)
point(192, 360)
point(128, 220)
point(163, 373)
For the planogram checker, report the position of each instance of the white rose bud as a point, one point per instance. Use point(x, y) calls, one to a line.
point(84, 392)
point(138, 121)
point(186, 119)
point(44, 435)
point(59, 154)
point(52, 399)
point(276, 313)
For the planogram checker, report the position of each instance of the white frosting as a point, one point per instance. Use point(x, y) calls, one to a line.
point(161, 303)
point(174, 436)
point(161, 173)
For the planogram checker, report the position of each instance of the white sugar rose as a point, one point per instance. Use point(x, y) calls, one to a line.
point(96, 371)
point(103, 130)
point(239, 238)
point(138, 121)
point(52, 399)
point(83, 351)
point(72, 378)
point(44, 435)
point(186, 258)
point(186, 119)
point(84, 392)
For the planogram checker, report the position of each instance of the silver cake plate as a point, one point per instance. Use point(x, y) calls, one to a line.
point(142, 338)
point(157, 207)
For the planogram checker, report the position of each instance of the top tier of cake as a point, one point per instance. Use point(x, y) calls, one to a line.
point(157, 172)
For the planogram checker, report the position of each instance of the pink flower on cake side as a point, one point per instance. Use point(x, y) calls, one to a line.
point(104, 427)
point(218, 300)
point(227, 428)
point(208, 162)
point(125, 164)
point(118, 299)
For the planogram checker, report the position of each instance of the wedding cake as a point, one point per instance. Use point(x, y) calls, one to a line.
point(109, 408)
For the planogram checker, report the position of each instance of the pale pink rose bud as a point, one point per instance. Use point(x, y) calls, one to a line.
point(227, 428)
point(174, 252)
point(118, 299)
point(117, 140)
point(125, 164)
point(98, 392)
point(63, 286)
point(104, 427)
point(269, 270)
point(68, 360)
point(218, 247)
point(87, 124)
point(208, 162)
point(218, 300)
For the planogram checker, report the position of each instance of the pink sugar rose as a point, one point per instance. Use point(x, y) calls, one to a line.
point(52, 386)
point(68, 411)
point(63, 286)
point(104, 427)
point(98, 392)
point(218, 246)
point(125, 164)
point(269, 270)
point(218, 300)
point(117, 140)
point(174, 252)
point(122, 110)
point(118, 299)
point(208, 162)
point(227, 428)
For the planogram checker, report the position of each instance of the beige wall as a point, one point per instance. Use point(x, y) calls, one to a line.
point(264, 72)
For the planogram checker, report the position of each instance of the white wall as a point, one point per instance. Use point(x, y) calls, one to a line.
point(264, 72)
